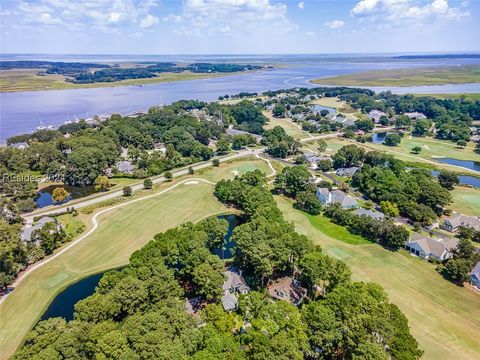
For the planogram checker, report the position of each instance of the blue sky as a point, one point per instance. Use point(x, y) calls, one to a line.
point(238, 26)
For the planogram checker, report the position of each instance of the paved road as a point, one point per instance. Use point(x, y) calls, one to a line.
point(50, 210)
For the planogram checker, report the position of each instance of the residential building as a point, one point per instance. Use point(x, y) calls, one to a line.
point(475, 275)
point(328, 197)
point(375, 115)
point(429, 248)
point(376, 215)
point(234, 284)
point(19, 145)
point(347, 172)
point(415, 115)
point(28, 232)
point(287, 289)
point(232, 132)
point(124, 167)
point(453, 222)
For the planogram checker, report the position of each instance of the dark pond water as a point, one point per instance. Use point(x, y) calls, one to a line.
point(464, 179)
point(45, 195)
point(228, 250)
point(379, 138)
point(468, 164)
point(63, 304)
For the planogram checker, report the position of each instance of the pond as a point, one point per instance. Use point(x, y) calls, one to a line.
point(468, 164)
point(379, 138)
point(228, 249)
point(63, 304)
point(464, 179)
point(45, 195)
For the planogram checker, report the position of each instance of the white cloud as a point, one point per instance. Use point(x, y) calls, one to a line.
point(406, 11)
point(310, 33)
point(148, 21)
point(335, 24)
point(301, 5)
point(231, 16)
point(103, 15)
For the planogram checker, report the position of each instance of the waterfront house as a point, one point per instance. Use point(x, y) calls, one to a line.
point(429, 248)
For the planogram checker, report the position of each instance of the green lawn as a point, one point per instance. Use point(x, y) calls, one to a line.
point(466, 200)
point(443, 317)
point(407, 77)
point(290, 127)
point(341, 107)
point(335, 231)
point(470, 96)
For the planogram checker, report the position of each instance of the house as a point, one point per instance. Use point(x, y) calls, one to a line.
point(344, 121)
point(429, 248)
point(287, 289)
point(124, 167)
point(375, 115)
point(375, 215)
point(19, 145)
point(328, 197)
point(28, 231)
point(233, 285)
point(347, 172)
point(415, 115)
point(455, 221)
point(475, 275)
point(232, 132)
point(313, 159)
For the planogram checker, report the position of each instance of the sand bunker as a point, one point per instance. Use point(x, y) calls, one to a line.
point(234, 172)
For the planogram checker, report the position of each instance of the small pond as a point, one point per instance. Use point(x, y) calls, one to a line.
point(468, 164)
point(63, 304)
point(228, 249)
point(464, 179)
point(45, 195)
point(379, 138)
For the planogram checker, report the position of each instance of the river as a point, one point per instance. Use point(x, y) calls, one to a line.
point(22, 112)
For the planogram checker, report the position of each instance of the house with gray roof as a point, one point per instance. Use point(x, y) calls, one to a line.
point(29, 231)
point(347, 172)
point(328, 197)
point(375, 215)
point(454, 222)
point(429, 248)
point(475, 275)
point(287, 289)
point(124, 167)
point(415, 115)
point(232, 132)
point(19, 145)
point(234, 285)
point(375, 115)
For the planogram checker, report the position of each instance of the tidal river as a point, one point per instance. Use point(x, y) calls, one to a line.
point(22, 112)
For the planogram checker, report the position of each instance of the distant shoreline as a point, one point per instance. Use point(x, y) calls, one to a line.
point(444, 75)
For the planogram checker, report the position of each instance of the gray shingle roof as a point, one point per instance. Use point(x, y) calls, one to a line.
point(370, 213)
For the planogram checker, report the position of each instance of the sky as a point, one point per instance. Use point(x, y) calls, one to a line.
point(238, 26)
